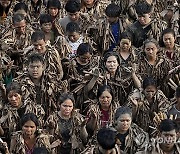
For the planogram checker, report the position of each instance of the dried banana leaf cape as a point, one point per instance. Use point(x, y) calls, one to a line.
point(159, 71)
point(144, 112)
point(19, 147)
point(75, 140)
point(44, 96)
point(105, 37)
point(136, 140)
point(98, 9)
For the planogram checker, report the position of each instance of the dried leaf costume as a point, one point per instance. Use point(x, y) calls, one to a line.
point(144, 112)
point(68, 131)
point(18, 144)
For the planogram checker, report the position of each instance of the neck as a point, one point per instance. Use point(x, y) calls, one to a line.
point(152, 60)
point(105, 108)
point(168, 150)
point(177, 106)
point(171, 48)
point(36, 81)
point(122, 131)
point(89, 5)
point(32, 137)
point(64, 116)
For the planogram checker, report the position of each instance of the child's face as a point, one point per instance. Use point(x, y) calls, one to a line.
point(73, 36)
point(125, 44)
point(46, 27)
point(53, 11)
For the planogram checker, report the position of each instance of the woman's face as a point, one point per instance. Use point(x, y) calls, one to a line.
point(66, 108)
point(53, 11)
point(124, 122)
point(150, 91)
point(112, 64)
point(105, 99)
point(169, 40)
point(151, 49)
point(14, 99)
point(29, 128)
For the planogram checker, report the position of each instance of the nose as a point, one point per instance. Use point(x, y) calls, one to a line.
point(73, 17)
point(38, 47)
point(13, 98)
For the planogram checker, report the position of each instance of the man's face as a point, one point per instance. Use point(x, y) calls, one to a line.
point(169, 138)
point(112, 20)
point(74, 16)
point(20, 27)
point(40, 46)
point(5, 3)
point(144, 19)
point(35, 69)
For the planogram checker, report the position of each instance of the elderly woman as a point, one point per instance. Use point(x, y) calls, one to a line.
point(131, 137)
point(68, 126)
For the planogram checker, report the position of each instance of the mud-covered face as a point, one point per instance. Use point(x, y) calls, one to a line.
point(40, 46)
point(74, 16)
point(112, 64)
point(14, 99)
point(73, 36)
point(151, 49)
point(125, 44)
point(150, 91)
point(169, 40)
point(169, 138)
point(66, 108)
point(89, 2)
point(144, 19)
point(5, 3)
point(20, 27)
point(46, 27)
point(53, 11)
point(105, 99)
point(29, 128)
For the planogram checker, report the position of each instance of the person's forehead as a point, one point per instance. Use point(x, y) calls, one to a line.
point(169, 132)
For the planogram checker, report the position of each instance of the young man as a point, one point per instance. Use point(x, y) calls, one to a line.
point(52, 60)
point(167, 143)
point(145, 26)
point(72, 8)
point(106, 143)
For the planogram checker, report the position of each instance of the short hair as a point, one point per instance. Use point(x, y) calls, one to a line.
point(178, 92)
point(166, 31)
point(84, 48)
point(54, 3)
point(73, 6)
point(35, 57)
point(126, 35)
point(72, 27)
point(17, 18)
point(113, 10)
point(122, 110)
point(40, 150)
point(29, 117)
point(66, 96)
point(143, 8)
point(37, 35)
point(149, 81)
point(167, 125)
point(14, 86)
point(45, 18)
point(151, 40)
point(106, 138)
point(20, 6)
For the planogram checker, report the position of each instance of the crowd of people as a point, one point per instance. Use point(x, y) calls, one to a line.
point(90, 76)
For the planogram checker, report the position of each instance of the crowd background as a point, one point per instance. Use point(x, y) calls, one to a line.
point(89, 76)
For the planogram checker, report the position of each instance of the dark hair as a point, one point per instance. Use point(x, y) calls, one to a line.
point(178, 92)
point(14, 86)
point(84, 48)
point(20, 6)
point(45, 18)
point(37, 35)
point(167, 125)
point(72, 27)
point(73, 6)
point(29, 117)
point(66, 96)
point(149, 81)
point(17, 18)
point(125, 35)
point(40, 150)
point(143, 8)
point(103, 88)
point(109, 54)
point(106, 138)
point(113, 10)
point(166, 31)
point(35, 57)
point(122, 110)
point(151, 40)
point(54, 3)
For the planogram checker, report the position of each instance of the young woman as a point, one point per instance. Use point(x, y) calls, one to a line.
point(67, 125)
point(29, 137)
point(132, 137)
point(147, 103)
